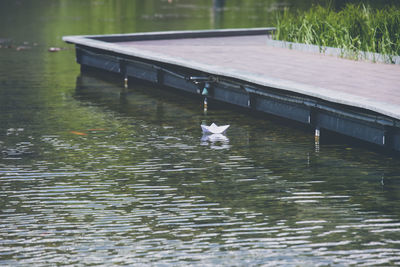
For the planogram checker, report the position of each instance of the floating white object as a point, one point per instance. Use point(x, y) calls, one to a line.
point(214, 129)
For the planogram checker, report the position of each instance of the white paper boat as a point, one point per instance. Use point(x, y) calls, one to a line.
point(214, 129)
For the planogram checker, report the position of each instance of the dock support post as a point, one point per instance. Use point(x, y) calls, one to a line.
point(160, 76)
point(388, 139)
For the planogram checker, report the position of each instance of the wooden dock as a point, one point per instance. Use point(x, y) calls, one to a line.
point(354, 98)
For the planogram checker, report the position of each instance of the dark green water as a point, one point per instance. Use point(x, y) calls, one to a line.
point(138, 186)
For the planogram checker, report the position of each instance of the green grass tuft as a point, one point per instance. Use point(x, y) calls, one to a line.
point(354, 29)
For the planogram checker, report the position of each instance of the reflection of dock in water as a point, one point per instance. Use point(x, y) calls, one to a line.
point(217, 13)
point(155, 106)
point(357, 99)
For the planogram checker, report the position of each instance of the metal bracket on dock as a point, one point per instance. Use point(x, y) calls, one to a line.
point(204, 82)
point(201, 79)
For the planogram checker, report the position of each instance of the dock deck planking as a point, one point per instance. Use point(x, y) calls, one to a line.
point(374, 86)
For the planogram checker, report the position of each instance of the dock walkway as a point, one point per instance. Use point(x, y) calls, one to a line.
point(373, 88)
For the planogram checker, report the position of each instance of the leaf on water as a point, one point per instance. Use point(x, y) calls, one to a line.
point(78, 133)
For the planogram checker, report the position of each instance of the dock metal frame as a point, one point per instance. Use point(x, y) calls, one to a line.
point(100, 52)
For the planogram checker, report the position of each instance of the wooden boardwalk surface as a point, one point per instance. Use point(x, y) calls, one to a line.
point(373, 86)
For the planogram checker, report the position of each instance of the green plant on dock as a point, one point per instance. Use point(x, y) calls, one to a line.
point(354, 29)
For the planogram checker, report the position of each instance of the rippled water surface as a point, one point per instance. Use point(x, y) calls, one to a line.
point(90, 176)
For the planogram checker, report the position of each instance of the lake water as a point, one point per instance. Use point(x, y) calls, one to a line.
point(92, 177)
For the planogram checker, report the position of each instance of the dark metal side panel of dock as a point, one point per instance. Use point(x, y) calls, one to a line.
point(357, 99)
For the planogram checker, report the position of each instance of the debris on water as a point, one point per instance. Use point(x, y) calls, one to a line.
point(5, 41)
point(23, 47)
point(78, 133)
point(55, 49)
point(9, 43)
point(214, 129)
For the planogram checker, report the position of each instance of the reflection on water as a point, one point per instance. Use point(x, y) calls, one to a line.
point(217, 14)
point(90, 176)
point(216, 141)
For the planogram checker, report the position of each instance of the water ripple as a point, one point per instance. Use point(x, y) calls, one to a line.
point(142, 192)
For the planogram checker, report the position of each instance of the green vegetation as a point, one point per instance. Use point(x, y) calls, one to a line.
point(353, 29)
